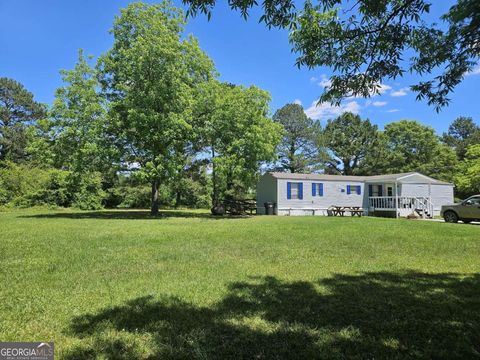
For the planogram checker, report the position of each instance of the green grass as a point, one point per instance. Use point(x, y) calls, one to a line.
point(117, 284)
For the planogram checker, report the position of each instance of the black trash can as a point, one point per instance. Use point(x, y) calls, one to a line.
point(269, 208)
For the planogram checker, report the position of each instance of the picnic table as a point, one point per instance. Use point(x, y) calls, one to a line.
point(341, 210)
point(338, 210)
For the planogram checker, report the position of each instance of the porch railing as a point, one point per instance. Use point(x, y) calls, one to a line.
point(421, 205)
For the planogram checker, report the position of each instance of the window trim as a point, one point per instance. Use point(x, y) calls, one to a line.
point(357, 189)
point(317, 189)
point(299, 190)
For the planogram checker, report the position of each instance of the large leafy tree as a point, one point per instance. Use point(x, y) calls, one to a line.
point(150, 77)
point(18, 110)
point(236, 136)
point(300, 150)
point(366, 42)
point(349, 140)
point(467, 179)
point(79, 122)
point(412, 146)
point(462, 133)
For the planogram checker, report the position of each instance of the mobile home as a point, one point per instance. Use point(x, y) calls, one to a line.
point(387, 195)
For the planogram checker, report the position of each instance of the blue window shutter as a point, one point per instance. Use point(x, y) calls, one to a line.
point(314, 189)
point(370, 190)
point(289, 190)
point(300, 190)
point(348, 190)
point(359, 189)
point(320, 189)
point(380, 190)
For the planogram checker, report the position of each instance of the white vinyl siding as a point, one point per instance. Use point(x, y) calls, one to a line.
point(334, 193)
point(440, 194)
point(274, 189)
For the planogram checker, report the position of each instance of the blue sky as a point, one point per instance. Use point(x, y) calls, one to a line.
point(38, 38)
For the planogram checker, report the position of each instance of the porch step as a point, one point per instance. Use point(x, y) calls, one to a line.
point(427, 213)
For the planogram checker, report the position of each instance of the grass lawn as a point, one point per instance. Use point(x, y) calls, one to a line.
point(117, 284)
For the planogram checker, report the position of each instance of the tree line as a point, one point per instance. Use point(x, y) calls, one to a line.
point(148, 123)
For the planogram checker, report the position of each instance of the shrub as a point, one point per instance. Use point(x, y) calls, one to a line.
point(53, 191)
point(25, 185)
point(87, 191)
point(135, 196)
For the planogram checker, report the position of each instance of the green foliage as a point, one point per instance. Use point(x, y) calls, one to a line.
point(150, 76)
point(55, 191)
point(406, 146)
point(18, 110)
point(411, 144)
point(237, 134)
point(193, 194)
point(29, 185)
point(87, 191)
point(193, 187)
point(462, 133)
point(442, 164)
point(300, 150)
point(135, 196)
point(369, 41)
point(372, 40)
point(153, 109)
point(467, 179)
point(78, 126)
point(415, 147)
point(349, 140)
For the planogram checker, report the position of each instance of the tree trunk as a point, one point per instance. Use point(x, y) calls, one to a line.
point(291, 158)
point(347, 170)
point(154, 207)
point(214, 180)
point(178, 198)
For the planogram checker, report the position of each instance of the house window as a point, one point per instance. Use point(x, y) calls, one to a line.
point(375, 190)
point(354, 189)
point(317, 189)
point(294, 190)
point(389, 191)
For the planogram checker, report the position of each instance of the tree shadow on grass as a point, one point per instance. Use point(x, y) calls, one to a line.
point(367, 316)
point(131, 215)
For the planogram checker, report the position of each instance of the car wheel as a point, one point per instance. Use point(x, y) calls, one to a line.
point(466, 221)
point(450, 217)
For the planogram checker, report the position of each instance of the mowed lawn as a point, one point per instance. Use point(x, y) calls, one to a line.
point(118, 284)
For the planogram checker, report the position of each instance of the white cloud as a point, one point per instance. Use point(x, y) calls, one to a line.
point(393, 110)
point(379, 103)
point(322, 81)
point(383, 88)
point(325, 81)
point(325, 111)
point(399, 92)
point(297, 101)
point(475, 71)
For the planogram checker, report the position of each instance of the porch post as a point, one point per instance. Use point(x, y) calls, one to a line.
point(396, 200)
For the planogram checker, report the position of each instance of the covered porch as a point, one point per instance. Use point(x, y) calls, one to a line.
point(401, 205)
point(399, 196)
